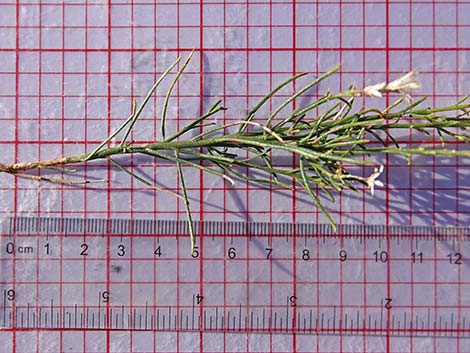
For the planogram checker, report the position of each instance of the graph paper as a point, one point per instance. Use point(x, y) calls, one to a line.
point(70, 71)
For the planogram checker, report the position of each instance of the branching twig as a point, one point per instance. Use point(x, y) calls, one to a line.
point(325, 144)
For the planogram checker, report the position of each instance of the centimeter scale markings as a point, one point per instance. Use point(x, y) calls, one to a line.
point(53, 275)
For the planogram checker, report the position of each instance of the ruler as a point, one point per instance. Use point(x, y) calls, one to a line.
point(98, 274)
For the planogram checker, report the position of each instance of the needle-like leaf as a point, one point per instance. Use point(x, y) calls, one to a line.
point(170, 90)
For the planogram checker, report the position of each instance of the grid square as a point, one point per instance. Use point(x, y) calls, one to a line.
point(352, 14)
point(187, 270)
point(460, 8)
point(120, 341)
point(44, 293)
point(141, 342)
point(96, 85)
point(28, 62)
point(143, 38)
point(283, 342)
point(306, 37)
point(8, 60)
point(329, 270)
point(165, 37)
point(282, 37)
point(399, 37)
point(189, 15)
point(450, 346)
point(213, 271)
point(463, 33)
point(74, 107)
point(142, 293)
point(211, 342)
point(213, 37)
point(375, 14)
point(236, 14)
point(351, 37)
point(28, 84)
point(97, 38)
point(72, 271)
point(213, 15)
point(166, 296)
point(24, 270)
point(305, 296)
point(306, 14)
point(24, 342)
point(444, 35)
point(237, 273)
point(329, 14)
point(422, 36)
point(97, 15)
point(236, 37)
point(73, 62)
point(145, 13)
point(402, 11)
point(258, 14)
point(120, 15)
point(374, 37)
point(165, 270)
point(282, 14)
point(166, 15)
point(95, 270)
point(7, 195)
point(74, 38)
point(166, 341)
point(121, 38)
point(95, 342)
point(73, 84)
point(417, 11)
point(189, 37)
point(74, 15)
point(8, 83)
point(51, 15)
point(446, 15)
point(29, 15)
point(260, 343)
point(51, 38)
point(329, 295)
point(216, 295)
point(327, 36)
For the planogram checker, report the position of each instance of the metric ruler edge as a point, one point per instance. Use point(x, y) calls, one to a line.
point(146, 227)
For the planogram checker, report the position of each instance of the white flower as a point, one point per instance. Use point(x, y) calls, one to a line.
point(403, 84)
point(372, 179)
point(374, 90)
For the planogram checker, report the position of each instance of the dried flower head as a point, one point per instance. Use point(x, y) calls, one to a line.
point(402, 85)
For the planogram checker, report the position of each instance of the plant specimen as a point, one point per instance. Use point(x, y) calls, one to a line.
point(326, 145)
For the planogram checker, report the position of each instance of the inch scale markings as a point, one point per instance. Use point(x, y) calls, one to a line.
point(35, 244)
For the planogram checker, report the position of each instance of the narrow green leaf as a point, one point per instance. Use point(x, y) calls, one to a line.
point(306, 185)
point(141, 179)
point(253, 111)
point(213, 110)
point(132, 118)
point(186, 202)
point(180, 160)
point(170, 90)
point(299, 93)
